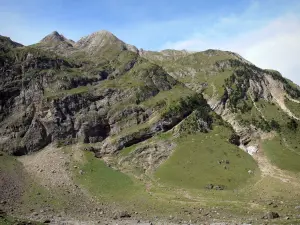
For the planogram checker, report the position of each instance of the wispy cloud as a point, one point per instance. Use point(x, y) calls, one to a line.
point(272, 43)
point(266, 32)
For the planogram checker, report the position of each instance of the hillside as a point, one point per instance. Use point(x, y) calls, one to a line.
point(93, 128)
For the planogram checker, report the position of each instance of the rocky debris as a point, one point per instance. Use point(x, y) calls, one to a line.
point(149, 156)
point(252, 150)
point(215, 187)
point(35, 214)
point(271, 215)
point(89, 149)
point(297, 207)
point(2, 213)
point(125, 214)
point(122, 214)
point(12, 184)
point(219, 187)
point(209, 186)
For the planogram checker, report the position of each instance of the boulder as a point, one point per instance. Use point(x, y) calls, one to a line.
point(271, 215)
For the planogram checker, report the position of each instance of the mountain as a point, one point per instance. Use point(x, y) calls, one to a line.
point(97, 125)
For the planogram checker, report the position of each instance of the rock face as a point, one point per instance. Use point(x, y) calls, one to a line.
point(102, 90)
point(45, 98)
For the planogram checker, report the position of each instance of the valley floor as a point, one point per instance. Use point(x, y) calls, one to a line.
point(58, 187)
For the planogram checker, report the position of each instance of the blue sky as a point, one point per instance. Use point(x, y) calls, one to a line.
point(266, 32)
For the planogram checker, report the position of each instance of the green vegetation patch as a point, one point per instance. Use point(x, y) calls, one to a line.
point(8, 163)
point(293, 106)
point(105, 182)
point(200, 160)
point(53, 95)
point(282, 154)
point(168, 97)
point(128, 150)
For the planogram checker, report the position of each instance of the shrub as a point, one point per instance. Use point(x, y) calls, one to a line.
point(274, 125)
point(235, 139)
point(292, 125)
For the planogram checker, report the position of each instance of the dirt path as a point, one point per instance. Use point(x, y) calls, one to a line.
point(267, 169)
point(289, 147)
point(258, 109)
point(282, 105)
point(293, 100)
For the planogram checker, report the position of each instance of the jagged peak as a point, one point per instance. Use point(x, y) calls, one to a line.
point(54, 37)
point(55, 33)
point(97, 36)
point(99, 39)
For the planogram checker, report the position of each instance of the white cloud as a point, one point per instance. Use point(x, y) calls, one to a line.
point(275, 45)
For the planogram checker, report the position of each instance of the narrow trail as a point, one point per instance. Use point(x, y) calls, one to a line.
point(282, 105)
point(288, 146)
point(263, 116)
point(279, 96)
point(267, 169)
point(293, 100)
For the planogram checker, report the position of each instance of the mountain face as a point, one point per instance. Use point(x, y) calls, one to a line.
point(139, 110)
point(49, 97)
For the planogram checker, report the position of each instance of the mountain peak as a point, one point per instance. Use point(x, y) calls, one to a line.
point(96, 41)
point(104, 32)
point(54, 37)
point(97, 37)
point(55, 33)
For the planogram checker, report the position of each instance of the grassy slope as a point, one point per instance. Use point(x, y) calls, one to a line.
point(293, 106)
point(202, 63)
point(283, 150)
point(8, 163)
point(106, 182)
point(282, 156)
point(111, 186)
point(194, 164)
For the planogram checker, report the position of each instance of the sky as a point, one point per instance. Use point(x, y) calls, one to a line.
point(265, 32)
